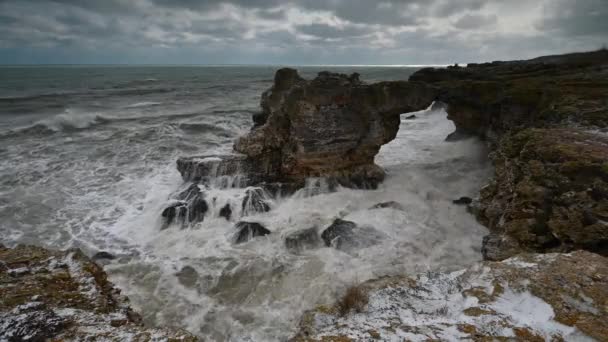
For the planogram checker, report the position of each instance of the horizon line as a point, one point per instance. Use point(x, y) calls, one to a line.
point(229, 65)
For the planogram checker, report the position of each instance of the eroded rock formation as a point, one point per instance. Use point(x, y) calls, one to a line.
point(331, 126)
point(546, 121)
point(64, 296)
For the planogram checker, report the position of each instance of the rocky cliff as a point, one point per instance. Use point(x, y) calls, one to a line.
point(64, 296)
point(546, 120)
point(331, 126)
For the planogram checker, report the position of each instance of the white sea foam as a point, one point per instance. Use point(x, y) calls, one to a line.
point(258, 289)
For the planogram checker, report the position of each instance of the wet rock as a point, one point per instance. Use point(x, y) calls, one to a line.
point(189, 207)
point(438, 105)
point(339, 233)
point(410, 117)
point(228, 171)
point(255, 201)
point(65, 296)
point(103, 256)
point(187, 276)
point(248, 230)
point(226, 212)
point(331, 126)
point(302, 240)
point(497, 247)
point(457, 135)
point(535, 297)
point(463, 200)
point(389, 204)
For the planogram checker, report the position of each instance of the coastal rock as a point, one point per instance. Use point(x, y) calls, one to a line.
point(64, 296)
point(549, 193)
point(189, 207)
point(535, 297)
point(389, 204)
point(226, 212)
point(463, 200)
point(339, 233)
point(187, 276)
point(301, 240)
point(255, 201)
point(543, 119)
point(226, 171)
point(248, 230)
point(331, 126)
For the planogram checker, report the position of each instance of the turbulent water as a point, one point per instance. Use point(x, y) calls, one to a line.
point(87, 159)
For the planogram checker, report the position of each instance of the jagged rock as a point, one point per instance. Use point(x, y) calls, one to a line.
point(64, 296)
point(538, 297)
point(248, 230)
point(233, 170)
point(103, 256)
point(389, 204)
point(255, 201)
point(548, 193)
point(340, 232)
point(550, 178)
point(187, 276)
point(496, 247)
point(226, 212)
point(301, 240)
point(463, 200)
point(331, 126)
point(190, 207)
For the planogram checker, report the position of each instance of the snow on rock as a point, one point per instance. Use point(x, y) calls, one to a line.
point(55, 295)
point(536, 297)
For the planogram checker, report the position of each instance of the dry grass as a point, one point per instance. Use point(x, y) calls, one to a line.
point(355, 298)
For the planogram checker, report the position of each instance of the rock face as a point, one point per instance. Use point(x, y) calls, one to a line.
point(248, 230)
point(331, 126)
point(543, 119)
point(64, 296)
point(537, 297)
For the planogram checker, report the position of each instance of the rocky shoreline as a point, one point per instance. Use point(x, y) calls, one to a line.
point(546, 208)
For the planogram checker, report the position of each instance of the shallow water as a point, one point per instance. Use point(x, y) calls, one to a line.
point(87, 159)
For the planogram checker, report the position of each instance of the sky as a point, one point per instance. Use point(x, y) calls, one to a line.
point(296, 32)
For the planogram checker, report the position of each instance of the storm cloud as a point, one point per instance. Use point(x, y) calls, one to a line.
point(296, 32)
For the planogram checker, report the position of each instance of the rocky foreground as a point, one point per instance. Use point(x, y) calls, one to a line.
point(541, 297)
point(64, 296)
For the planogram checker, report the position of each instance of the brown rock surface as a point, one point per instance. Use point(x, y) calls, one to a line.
point(64, 296)
point(331, 126)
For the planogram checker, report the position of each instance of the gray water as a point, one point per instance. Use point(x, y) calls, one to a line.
point(87, 159)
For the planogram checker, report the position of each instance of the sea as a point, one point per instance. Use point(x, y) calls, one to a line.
point(88, 160)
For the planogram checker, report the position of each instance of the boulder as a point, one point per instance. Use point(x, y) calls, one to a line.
point(189, 207)
point(331, 126)
point(226, 212)
point(463, 200)
point(340, 232)
point(248, 230)
point(255, 201)
point(537, 297)
point(389, 204)
point(64, 296)
point(187, 276)
point(302, 240)
point(103, 256)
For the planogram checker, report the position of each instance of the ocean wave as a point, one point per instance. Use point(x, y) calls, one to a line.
point(69, 120)
point(30, 97)
point(143, 104)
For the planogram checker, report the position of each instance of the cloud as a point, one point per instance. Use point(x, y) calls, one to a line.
point(472, 21)
point(296, 31)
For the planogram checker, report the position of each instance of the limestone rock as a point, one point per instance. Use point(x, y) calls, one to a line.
point(535, 297)
point(248, 230)
point(301, 240)
point(64, 296)
point(331, 126)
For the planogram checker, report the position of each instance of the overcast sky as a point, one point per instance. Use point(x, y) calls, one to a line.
point(297, 31)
